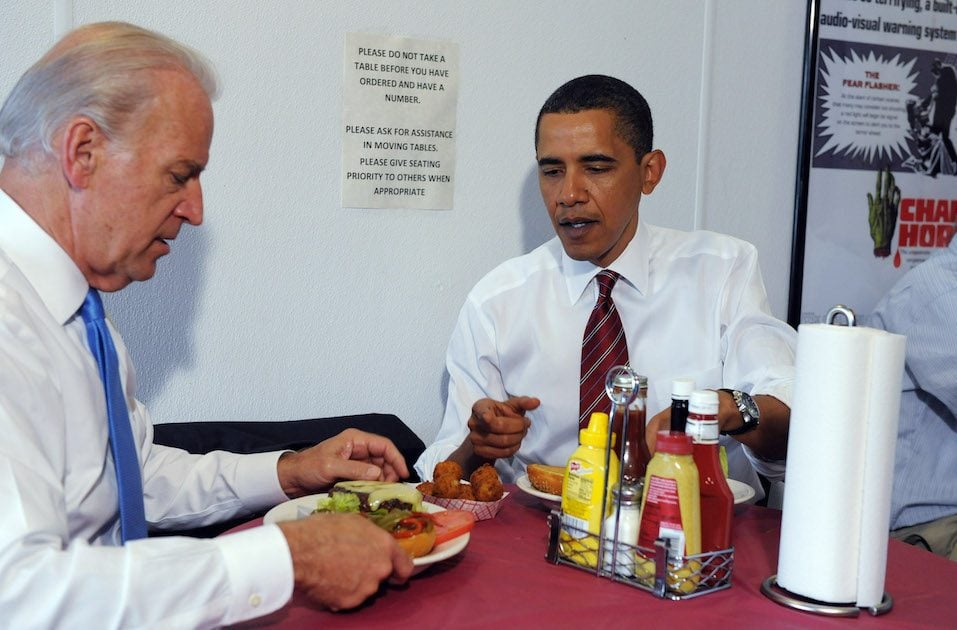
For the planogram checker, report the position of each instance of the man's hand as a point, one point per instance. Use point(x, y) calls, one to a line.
point(882, 212)
point(661, 421)
point(353, 454)
point(769, 440)
point(496, 429)
point(339, 560)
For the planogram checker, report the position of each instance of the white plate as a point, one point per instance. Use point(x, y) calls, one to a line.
point(526, 486)
point(303, 506)
point(742, 492)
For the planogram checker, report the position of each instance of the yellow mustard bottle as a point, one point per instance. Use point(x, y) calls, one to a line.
point(671, 509)
point(582, 491)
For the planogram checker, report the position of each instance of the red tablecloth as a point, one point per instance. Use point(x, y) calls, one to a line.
point(502, 579)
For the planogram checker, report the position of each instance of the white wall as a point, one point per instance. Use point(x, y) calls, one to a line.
point(285, 305)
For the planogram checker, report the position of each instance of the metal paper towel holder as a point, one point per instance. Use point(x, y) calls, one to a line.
point(840, 309)
point(778, 594)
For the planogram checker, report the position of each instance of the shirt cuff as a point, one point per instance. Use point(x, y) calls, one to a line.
point(257, 480)
point(425, 465)
point(259, 569)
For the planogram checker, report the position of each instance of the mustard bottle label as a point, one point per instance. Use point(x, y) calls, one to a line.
point(578, 500)
point(661, 517)
point(581, 513)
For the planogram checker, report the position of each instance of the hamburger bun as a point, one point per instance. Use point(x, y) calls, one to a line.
point(546, 479)
point(418, 545)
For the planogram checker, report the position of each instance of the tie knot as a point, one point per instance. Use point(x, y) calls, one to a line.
point(606, 281)
point(92, 309)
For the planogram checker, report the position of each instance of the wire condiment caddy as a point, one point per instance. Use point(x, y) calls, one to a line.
point(663, 570)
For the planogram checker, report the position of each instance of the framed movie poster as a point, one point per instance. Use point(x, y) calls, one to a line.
point(877, 170)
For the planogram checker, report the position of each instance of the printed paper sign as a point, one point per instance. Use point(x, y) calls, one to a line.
point(398, 143)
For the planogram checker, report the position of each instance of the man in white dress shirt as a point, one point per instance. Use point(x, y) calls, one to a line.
point(104, 140)
point(692, 305)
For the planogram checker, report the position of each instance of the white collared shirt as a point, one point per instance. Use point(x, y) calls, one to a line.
point(61, 561)
point(692, 304)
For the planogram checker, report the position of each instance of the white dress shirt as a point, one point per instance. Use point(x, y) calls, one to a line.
point(61, 560)
point(692, 305)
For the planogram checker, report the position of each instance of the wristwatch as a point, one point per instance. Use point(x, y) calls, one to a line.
point(749, 412)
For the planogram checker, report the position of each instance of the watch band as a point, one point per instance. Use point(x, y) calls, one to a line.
point(750, 413)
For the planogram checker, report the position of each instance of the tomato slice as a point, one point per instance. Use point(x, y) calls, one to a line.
point(412, 525)
point(452, 524)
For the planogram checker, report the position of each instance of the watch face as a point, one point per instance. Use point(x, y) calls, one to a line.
point(750, 414)
point(748, 403)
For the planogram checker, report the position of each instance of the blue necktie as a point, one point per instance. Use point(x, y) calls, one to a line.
point(128, 480)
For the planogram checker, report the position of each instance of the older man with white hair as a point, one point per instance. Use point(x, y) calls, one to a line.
point(104, 140)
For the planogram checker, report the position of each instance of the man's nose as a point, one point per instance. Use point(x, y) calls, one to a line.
point(573, 189)
point(191, 208)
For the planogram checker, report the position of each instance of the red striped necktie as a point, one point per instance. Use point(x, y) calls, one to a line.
point(603, 347)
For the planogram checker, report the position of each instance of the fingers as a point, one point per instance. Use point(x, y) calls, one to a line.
point(498, 443)
point(336, 469)
point(380, 451)
point(489, 422)
point(660, 422)
point(521, 404)
point(352, 454)
point(344, 449)
point(491, 446)
point(339, 560)
point(401, 565)
point(497, 428)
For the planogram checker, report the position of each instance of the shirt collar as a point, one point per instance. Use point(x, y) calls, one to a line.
point(46, 266)
point(632, 265)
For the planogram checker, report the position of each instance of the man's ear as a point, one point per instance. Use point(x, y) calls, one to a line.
point(653, 164)
point(81, 145)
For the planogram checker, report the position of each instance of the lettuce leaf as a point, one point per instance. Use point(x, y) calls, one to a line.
point(339, 502)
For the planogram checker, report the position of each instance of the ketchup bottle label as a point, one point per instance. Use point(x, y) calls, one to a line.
point(703, 429)
point(662, 517)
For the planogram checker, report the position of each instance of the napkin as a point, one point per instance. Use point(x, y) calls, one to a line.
point(840, 463)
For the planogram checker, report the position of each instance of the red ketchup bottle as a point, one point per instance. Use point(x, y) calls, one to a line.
point(717, 500)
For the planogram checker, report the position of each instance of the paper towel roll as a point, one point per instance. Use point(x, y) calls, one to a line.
point(840, 463)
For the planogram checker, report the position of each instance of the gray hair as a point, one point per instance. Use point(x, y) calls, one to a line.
point(99, 70)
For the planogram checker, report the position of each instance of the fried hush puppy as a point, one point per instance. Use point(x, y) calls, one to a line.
point(447, 483)
point(448, 468)
point(447, 487)
point(486, 483)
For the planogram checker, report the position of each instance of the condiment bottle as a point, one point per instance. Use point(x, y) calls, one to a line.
point(681, 389)
point(628, 496)
point(671, 509)
point(634, 448)
point(582, 491)
point(717, 500)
